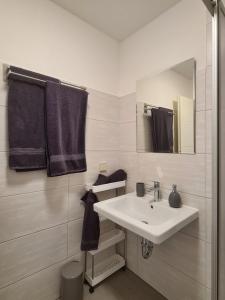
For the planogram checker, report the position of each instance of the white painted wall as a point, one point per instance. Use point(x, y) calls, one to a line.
point(175, 36)
point(41, 36)
point(163, 89)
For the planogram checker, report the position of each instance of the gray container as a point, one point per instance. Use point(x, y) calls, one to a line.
point(72, 281)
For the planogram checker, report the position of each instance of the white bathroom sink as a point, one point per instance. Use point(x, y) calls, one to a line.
point(155, 221)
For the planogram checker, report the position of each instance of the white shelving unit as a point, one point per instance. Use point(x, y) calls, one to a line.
point(100, 271)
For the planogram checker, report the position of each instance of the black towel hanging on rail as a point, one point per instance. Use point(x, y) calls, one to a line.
point(26, 125)
point(46, 124)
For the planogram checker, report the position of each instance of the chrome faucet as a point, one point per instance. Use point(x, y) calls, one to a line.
point(154, 188)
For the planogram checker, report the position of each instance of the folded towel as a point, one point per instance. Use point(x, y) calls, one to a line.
point(91, 228)
point(118, 175)
point(102, 179)
point(65, 125)
point(26, 131)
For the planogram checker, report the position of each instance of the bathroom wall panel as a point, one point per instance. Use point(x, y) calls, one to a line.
point(132, 254)
point(187, 171)
point(27, 213)
point(200, 89)
point(43, 285)
point(209, 43)
point(3, 138)
point(186, 254)
point(32, 202)
point(208, 125)
point(24, 256)
point(128, 108)
point(12, 183)
point(102, 135)
point(3, 89)
point(102, 106)
point(76, 207)
point(208, 162)
point(127, 136)
point(74, 236)
point(172, 283)
point(209, 87)
point(200, 131)
point(129, 161)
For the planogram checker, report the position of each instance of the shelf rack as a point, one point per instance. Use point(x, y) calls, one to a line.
point(100, 271)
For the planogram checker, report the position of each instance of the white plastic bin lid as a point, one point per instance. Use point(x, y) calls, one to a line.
point(72, 270)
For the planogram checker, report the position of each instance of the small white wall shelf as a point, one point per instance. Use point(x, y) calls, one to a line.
point(105, 187)
point(100, 271)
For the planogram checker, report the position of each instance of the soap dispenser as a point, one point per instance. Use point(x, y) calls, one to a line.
point(175, 198)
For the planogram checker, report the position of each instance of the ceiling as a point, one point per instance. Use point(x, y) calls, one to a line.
point(117, 18)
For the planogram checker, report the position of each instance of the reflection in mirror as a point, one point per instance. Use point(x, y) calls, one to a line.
point(166, 111)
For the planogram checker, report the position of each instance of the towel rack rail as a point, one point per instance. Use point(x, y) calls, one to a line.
point(7, 72)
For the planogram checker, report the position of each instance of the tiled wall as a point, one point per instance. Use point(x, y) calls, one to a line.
point(180, 268)
point(40, 217)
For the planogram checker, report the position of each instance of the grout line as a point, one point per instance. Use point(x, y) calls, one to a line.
point(39, 271)
point(39, 231)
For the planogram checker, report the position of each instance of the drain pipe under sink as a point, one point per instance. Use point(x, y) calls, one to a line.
point(147, 248)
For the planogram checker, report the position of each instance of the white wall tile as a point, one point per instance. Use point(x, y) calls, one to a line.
point(209, 87)
point(187, 171)
point(76, 207)
point(127, 135)
point(209, 43)
point(74, 236)
point(132, 252)
point(200, 90)
point(209, 176)
point(129, 162)
point(175, 285)
point(101, 135)
point(200, 132)
point(12, 182)
point(27, 255)
point(208, 126)
point(44, 285)
point(128, 108)
point(3, 93)
point(27, 213)
point(186, 254)
point(102, 106)
point(3, 129)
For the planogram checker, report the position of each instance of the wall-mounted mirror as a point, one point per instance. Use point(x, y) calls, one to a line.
point(166, 110)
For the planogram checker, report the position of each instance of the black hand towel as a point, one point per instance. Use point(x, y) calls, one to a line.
point(162, 129)
point(91, 228)
point(65, 125)
point(119, 175)
point(26, 131)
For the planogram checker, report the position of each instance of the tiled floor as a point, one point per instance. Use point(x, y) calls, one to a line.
point(123, 286)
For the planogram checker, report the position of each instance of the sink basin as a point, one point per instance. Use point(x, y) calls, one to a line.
point(155, 221)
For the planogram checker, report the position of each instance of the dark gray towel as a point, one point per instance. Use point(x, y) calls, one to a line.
point(66, 109)
point(26, 131)
point(91, 228)
point(162, 129)
point(116, 176)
